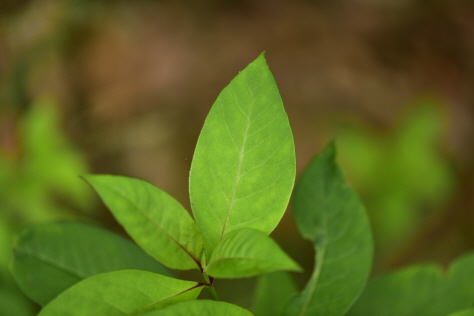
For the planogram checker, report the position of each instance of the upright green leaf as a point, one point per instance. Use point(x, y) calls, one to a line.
point(243, 168)
point(420, 290)
point(329, 213)
point(120, 293)
point(156, 221)
point(247, 252)
point(201, 308)
point(272, 292)
point(49, 258)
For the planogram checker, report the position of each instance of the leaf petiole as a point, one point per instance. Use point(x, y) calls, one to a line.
point(210, 286)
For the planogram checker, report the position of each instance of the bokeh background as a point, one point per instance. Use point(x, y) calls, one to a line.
point(123, 87)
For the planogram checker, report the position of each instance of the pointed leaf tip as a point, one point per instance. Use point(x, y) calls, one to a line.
point(243, 168)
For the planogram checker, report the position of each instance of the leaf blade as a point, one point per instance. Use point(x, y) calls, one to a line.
point(329, 213)
point(243, 168)
point(403, 290)
point(201, 308)
point(272, 292)
point(156, 221)
point(247, 252)
point(59, 255)
point(420, 290)
point(120, 293)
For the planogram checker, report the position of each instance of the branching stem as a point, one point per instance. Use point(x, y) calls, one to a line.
point(210, 286)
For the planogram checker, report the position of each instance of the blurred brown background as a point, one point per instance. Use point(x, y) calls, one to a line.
point(132, 82)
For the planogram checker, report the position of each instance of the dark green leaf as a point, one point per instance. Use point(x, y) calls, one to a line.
point(398, 293)
point(420, 290)
point(156, 221)
point(14, 303)
point(120, 293)
point(247, 252)
point(272, 292)
point(243, 168)
point(329, 213)
point(50, 258)
point(467, 312)
point(200, 308)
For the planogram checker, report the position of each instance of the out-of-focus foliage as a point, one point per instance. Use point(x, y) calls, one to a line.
point(402, 175)
point(46, 169)
point(38, 183)
point(135, 79)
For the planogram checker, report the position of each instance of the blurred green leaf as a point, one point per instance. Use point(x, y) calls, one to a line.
point(243, 168)
point(50, 258)
point(155, 220)
point(420, 290)
point(14, 303)
point(201, 308)
point(467, 312)
point(272, 292)
point(5, 244)
point(247, 252)
point(329, 213)
point(46, 172)
point(117, 293)
point(401, 174)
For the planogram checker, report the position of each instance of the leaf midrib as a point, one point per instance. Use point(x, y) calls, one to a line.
point(51, 262)
point(238, 173)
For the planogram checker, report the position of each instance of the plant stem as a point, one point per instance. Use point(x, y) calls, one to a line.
point(210, 287)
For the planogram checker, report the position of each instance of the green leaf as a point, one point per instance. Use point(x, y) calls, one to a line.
point(329, 213)
point(14, 303)
point(247, 252)
point(467, 312)
point(398, 293)
point(201, 308)
point(243, 168)
point(458, 289)
point(118, 293)
point(420, 290)
point(50, 258)
point(156, 221)
point(272, 292)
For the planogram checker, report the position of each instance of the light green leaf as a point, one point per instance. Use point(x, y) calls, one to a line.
point(420, 290)
point(119, 293)
point(156, 221)
point(50, 258)
point(243, 168)
point(247, 252)
point(329, 213)
point(200, 308)
point(272, 293)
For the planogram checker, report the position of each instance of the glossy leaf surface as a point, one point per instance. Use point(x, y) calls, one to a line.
point(247, 252)
point(421, 290)
point(243, 168)
point(272, 292)
point(201, 308)
point(119, 293)
point(155, 220)
point(328, 212)
point(58, 255)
